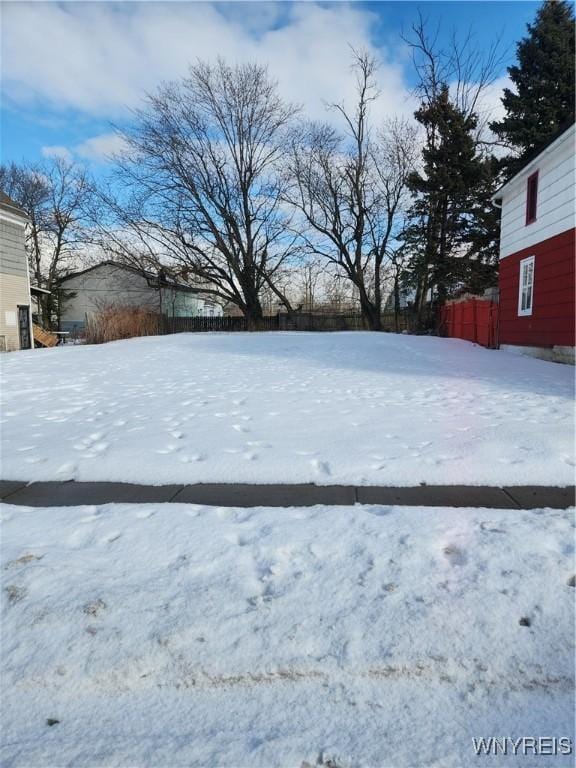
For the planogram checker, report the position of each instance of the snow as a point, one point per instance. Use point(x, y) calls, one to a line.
point(330, 408)
point(179, 635)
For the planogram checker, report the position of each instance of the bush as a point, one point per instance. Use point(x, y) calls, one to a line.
point(112, 323)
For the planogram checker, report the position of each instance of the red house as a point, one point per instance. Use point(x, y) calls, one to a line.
point(537, 285)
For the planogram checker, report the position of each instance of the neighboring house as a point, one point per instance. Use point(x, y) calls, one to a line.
point(537, 285)
point(108, 283)
point(15, 302)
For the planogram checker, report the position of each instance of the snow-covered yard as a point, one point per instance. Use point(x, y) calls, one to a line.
point(356, 408)
point(176, 635)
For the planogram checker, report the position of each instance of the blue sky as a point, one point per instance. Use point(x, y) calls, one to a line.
point(72, 70)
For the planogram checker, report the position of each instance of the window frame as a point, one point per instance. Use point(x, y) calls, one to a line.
point(524, 264)
point(532, 181)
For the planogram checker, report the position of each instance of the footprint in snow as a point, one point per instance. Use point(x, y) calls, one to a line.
point(484, 527)
point(66, 469)
point(15, 593)
point(321, 467)
point(240, 428)
point(194, 457)
point(90, 518)
point(454, 554)
point(24, 560)
point(93, 607)
point(379, 511)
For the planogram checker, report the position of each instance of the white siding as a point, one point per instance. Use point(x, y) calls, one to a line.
point(14, 292)
point(108, 284)
point(14, 282)
point(555, 211)
point(103, 286)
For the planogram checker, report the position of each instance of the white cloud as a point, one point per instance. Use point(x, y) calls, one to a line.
point(57, 151)
point(100, 148)
point(491, 102)
point(96, 148)
point(100, 58)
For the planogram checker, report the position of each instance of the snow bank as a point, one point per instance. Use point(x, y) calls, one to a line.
point(165, 636)
point(351, 408)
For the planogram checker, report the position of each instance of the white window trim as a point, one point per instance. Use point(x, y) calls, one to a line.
point(523, 265)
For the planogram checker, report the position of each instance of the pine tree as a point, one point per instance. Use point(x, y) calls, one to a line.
point(481, 263)
point(444, 235)
point(544, 83)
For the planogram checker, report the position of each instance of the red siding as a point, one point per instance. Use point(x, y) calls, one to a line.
point(553, 315)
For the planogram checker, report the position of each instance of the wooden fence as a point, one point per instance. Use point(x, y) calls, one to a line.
point(204, 324)
point(297, 321)
point(475, 319)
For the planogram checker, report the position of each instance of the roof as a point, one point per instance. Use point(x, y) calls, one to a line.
point(532, 160)
point(10, 206)
point(153, 278)
point(35, 289)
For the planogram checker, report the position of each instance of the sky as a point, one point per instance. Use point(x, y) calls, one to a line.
point(71, 71)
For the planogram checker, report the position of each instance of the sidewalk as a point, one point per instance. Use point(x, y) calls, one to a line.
point(72, 493)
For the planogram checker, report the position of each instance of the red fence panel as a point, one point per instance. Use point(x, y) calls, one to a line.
point(474, 320)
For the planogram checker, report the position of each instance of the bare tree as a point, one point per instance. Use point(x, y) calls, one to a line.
point(462, 64)
point(349, 189)
point(340, 293)
point(54, 194)
point(307, 280)
point(199, 181)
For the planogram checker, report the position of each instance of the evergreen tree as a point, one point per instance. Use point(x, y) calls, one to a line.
point(544, 83)
point(481, 262)
point(450, 220)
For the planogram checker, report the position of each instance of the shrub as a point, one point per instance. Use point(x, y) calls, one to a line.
point(115, 322)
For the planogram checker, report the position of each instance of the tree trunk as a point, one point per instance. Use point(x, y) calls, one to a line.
point(253, 313)
point(396, 303)
point(370, 312)
point(420, 302)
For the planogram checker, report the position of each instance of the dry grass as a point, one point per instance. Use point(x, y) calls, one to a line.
point(116, 322)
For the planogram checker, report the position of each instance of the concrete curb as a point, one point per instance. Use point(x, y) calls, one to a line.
point(72, 493)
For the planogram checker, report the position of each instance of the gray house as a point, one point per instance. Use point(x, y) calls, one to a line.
point(111, 284)
point(15, 302)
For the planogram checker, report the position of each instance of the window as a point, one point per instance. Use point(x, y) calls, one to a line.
point(526, 286)
point(531, 198)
